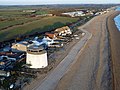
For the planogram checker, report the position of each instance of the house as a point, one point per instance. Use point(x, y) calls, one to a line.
point(46, 41)
point(12, 55)
point(67, 30)
point(56, 44)
point(49, 40)
point(51, 35)
point(29, 11)
point(21, 46)
point(4, 63)
point(63, 31)
point(4, 73)
point(74, 14)
point(8, 58)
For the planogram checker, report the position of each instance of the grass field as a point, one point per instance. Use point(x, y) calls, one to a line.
point(41, 12)
point(5, 24)
point(44, 24)
point(11, 12)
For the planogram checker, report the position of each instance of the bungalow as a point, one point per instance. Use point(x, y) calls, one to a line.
point(29, 11)
point(51, 42)
point(4, 73)
point(74, 14)
point(21, 46)
point(67, 30)
point(4, 64)
point(51, 35)
point(63, 31)
point(46, 42)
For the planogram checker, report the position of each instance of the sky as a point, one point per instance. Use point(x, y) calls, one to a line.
point(40, 2)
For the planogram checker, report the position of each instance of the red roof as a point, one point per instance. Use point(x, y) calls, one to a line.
point(50, 35)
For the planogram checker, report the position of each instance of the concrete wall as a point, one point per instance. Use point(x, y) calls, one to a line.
point(37, 60)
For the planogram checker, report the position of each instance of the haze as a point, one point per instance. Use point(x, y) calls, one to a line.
point(40, 2)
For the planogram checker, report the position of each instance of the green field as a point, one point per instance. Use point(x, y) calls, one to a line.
point(4, 24)
point(41, 12)
point(44, 24)
point(11, 12)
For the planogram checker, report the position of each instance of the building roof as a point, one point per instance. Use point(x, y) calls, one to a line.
point(51, 35)
point(34, 49)
point(13, 55)
point(62, 29)
point(23, 43)
point(66, 27)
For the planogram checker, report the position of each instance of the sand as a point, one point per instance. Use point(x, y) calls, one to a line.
point(94, 68)
point(58, 57)
point(92, 71)
point(115, 50)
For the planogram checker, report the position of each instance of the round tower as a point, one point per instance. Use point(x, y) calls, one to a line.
point(36, 56)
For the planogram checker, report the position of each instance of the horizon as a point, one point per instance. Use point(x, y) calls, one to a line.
point(54, 2)
point(61, 4)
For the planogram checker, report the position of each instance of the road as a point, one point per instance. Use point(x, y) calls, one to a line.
point(51, 81)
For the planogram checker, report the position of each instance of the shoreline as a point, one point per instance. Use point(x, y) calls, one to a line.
point(117, 21)
point(93, 66)
point(104, 72)
point(114, 36)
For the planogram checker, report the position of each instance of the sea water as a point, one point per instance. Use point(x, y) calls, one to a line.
point(117, 19)
point(118, 9)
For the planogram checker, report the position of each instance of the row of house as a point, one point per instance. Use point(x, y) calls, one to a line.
point(74, 14)
point(33, 50)
point(8, 59)
point(47, 40)
point(102, 12)
point(85, 13)
point(63, 31)
point(29, 11)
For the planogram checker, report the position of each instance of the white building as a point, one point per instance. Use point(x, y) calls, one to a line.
point(63, 31)
point(74, 14)
point(36, 57)
point(29, 11)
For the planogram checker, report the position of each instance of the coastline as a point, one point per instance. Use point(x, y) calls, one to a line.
point(117, 23)
point(97, 68)
point(114, 36)
point(92, 71)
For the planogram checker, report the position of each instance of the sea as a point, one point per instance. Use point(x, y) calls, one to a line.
point(117, 19)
